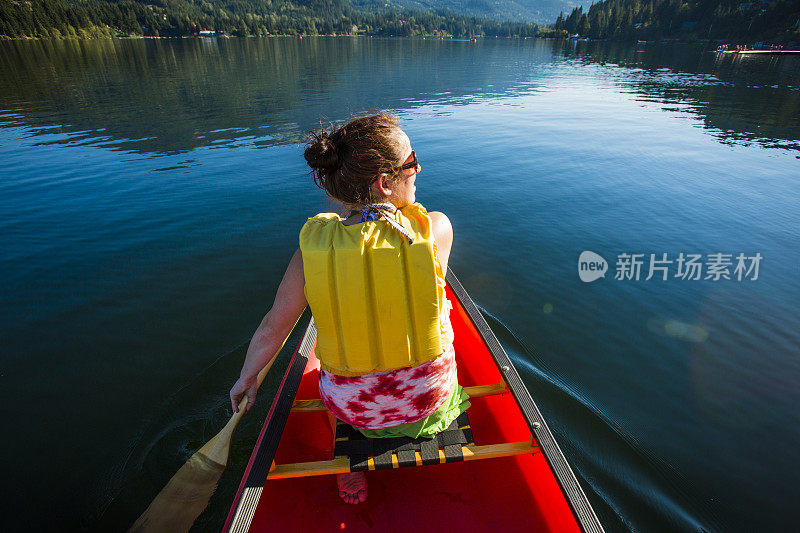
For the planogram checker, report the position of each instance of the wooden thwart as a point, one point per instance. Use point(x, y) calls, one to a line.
point(474, 392)
point(341, 465)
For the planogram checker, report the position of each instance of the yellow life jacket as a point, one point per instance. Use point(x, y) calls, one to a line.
point(378, 302)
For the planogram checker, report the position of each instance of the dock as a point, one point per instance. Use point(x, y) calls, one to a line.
point(773, 52)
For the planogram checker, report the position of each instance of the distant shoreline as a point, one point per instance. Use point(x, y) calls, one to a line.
point(193, 36)
point(710, 42)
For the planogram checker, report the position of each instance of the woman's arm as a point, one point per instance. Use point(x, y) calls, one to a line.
point(443, 234)
point(290, 302)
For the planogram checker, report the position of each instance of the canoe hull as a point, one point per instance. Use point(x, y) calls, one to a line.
point(519, 493)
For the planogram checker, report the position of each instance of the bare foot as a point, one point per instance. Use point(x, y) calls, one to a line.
point(352, 487)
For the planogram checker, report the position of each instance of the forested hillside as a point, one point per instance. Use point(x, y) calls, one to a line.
point(538, 11)
point(777, 21)
point(92, 18)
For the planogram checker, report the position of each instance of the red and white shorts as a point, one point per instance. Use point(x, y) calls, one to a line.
point(391, 397)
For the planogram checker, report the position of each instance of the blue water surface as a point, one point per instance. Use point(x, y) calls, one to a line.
point(151, 192)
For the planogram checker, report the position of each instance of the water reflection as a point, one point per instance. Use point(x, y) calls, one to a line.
point(740, 99)
point(176, 95)
point(172, 96)
point(133, 273)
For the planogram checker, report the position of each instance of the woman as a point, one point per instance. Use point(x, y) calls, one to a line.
point(374, 280)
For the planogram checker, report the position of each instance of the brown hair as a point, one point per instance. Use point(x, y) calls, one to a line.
point(347, 160)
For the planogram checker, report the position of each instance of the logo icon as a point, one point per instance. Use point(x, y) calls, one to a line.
point(591, 266)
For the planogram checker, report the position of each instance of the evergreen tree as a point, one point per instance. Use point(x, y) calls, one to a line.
point(774, 20)
point(93, 18)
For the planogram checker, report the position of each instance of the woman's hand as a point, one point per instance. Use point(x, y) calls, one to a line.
point(244, 386)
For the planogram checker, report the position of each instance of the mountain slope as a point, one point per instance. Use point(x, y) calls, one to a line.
point(173, 18)
point(538, 11)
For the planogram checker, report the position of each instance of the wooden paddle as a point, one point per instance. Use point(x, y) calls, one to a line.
point(186, 495)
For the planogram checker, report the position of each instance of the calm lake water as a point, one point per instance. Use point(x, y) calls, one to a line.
point(151, 193)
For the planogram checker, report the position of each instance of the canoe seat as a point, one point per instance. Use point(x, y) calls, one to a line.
point(354, 453)
point(383, 454)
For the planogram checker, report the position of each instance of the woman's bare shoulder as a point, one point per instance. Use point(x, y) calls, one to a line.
point(443, 234)
point(441, 226)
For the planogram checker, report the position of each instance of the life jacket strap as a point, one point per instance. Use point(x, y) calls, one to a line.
point(371, 212)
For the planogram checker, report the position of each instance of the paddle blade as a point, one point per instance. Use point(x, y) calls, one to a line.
point(186, 495)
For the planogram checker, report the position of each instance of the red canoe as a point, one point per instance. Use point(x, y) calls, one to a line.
point(512, 478)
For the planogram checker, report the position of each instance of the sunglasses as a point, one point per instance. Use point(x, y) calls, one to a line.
point(411, 164)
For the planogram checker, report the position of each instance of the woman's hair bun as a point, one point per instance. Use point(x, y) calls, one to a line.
point(322, 153)
point(346, 160)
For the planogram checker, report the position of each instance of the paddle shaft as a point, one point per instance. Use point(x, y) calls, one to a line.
point(217, 448)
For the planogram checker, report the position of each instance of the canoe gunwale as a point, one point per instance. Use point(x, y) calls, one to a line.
point(249, 493)
point(565, 477)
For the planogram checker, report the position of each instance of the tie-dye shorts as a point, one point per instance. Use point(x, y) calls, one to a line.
point(391, 397)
